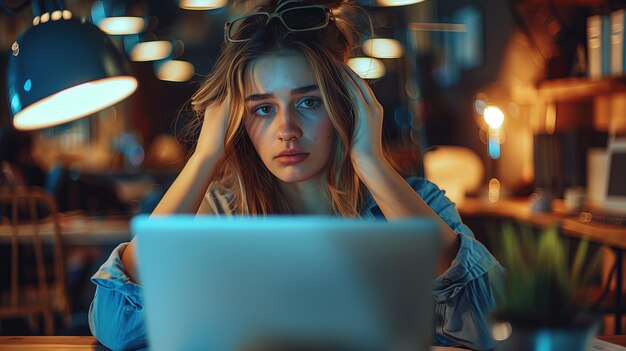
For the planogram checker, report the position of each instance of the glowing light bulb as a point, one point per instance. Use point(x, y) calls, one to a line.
point(383, 48)
point(367, 67)
point(494, 117)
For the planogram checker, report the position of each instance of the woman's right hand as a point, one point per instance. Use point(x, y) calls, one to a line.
point(213, 132)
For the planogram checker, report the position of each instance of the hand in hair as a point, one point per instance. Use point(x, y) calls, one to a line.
point(367, 136)
point(211, 140)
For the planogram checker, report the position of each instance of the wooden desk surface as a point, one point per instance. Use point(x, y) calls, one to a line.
point(614, 339)
point(81, 230)
point(520, 211)
point(58, 343)
point(49, 343)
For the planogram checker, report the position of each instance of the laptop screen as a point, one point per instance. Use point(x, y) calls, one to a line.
point(236, 282)
point(617, 178)
point(616, 181)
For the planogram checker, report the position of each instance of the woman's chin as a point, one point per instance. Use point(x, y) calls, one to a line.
point(294, 176)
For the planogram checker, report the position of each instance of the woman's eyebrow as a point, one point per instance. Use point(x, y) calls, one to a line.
point(258, 97)
point(301, 90)
point(306, 89)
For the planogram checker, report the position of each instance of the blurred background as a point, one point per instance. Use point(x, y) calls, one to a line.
point(502, 92)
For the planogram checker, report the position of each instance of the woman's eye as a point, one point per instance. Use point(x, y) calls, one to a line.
point(264, 110)
point(309, 103)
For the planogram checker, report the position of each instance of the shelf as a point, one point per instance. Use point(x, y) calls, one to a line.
point(572, 89)
point(519, 210)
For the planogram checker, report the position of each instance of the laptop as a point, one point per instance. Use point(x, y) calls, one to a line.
point(615, 200)
point(613, 207)
point(286, 283)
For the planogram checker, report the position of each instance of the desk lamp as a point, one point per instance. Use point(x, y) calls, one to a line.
point(62, 69)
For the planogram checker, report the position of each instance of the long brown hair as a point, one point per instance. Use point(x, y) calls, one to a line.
point(241, 173)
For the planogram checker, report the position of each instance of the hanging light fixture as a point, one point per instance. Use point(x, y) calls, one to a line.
point(383, 48)
point(174, 70)
point(367, 67)
point(151, 50)
point(113, 18)
point(61, 69)
point(202, 4)
point(397, 2)
point(122, 25)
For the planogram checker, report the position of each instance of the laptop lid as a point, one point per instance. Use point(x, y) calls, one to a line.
point(273, 283)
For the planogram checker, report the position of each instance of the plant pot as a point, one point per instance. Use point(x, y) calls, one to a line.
point(512, 336)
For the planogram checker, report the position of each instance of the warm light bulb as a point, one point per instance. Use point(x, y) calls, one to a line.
point(151, 50)
point(494, 190)
point(122, 25)
point(76, 102)
point(397, 2)
point(383, 48)
point(494, 117)
point(175, 71)
point(367, 67)
point(202, 4)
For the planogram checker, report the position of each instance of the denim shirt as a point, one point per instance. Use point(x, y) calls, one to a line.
point(462, 295)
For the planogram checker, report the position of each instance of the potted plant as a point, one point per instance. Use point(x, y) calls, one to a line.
point(543, 299)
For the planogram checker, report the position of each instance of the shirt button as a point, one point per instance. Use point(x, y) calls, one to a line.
point(128, 309)
point(446, 282)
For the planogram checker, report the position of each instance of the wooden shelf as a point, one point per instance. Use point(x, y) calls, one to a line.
point(519, 210)
point(572, 89)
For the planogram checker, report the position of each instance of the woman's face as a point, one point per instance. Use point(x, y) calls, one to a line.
point(285, 117)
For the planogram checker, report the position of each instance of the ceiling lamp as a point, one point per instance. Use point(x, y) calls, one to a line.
point(367, 67)
point(383, 48)
point(397, 2)
point(112, 17)
point(175, 71)
point(61, 69)
point(122, 25)
point(151, 50)
point(202, 4)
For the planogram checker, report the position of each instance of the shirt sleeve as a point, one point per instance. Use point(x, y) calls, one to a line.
point(463, 294)
point(116, 314)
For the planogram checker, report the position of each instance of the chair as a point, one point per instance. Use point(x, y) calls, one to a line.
point(30, 232)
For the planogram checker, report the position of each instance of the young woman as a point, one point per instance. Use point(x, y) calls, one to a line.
point(287, 127)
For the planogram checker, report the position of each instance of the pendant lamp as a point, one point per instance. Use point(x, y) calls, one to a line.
point(62, 69)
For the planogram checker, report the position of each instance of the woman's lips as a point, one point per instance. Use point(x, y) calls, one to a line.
point(291, 159)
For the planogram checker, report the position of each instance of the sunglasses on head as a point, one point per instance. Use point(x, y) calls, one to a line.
point(295, 19)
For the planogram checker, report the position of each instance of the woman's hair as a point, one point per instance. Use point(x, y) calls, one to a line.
point(241, 173)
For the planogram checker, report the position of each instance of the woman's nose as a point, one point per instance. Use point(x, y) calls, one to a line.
point(288, 128)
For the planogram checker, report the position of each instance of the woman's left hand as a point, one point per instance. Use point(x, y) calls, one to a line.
point(367, 136)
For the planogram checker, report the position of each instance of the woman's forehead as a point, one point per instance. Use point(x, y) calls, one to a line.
point(275, 73)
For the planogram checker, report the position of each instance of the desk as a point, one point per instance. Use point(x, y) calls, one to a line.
point(50, 343)
point(614, 339)
point(519, 210)
point(58, 343)
point(80, 230)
